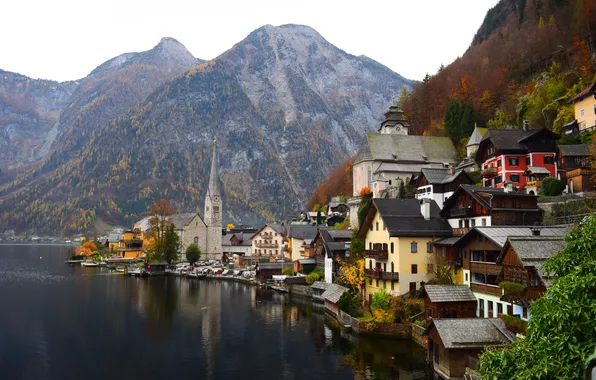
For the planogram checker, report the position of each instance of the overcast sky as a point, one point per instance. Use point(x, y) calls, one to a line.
point(67, 39)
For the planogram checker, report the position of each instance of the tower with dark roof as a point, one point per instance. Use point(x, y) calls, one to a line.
point(213, 211)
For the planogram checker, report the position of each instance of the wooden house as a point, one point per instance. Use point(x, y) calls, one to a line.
point(448, 301)
point(439, 183)
point(455, 344)
point(574, 167)
point(522, 259)
point(331, 297)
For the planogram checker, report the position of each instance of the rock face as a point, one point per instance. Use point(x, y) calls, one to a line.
point(285, 105)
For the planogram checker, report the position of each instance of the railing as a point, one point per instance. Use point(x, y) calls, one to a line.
point(535, 183)
point(377, 254)
point(391, 276)
point(267, 245)
point(371, 273)
point(461, 211)
point(460, 231)
point(565, 220)
point(587, 129)
point(494, 290)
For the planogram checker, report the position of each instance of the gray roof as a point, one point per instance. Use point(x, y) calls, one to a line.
point(513, 139)
point(577, 150)
point(472, 332)
point(183, 220)
point(114, 237)
point(320, 285)
point(447, 241)
point(477, 136)
point(441, 176)
point(449, 293)
point(244, 239)
point(403, 218)
point(333, 293)
point(476, 192)
point(337, 245)
point(307, 261)
point(533, 251)
point(499, 235)
point(213, 188)
point(340, 234)
point(538, 170)
point(302, 231)
point(273, 265)
point(402, 167)
point(406, 148)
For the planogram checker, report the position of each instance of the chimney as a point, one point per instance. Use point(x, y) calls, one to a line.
point(425, 208)
point(535, 231)
point(507, 186)
point(452, 170)
point(525, 125)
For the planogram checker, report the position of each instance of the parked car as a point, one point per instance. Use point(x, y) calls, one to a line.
point(218, 271)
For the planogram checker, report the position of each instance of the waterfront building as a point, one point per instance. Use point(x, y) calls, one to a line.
point(472, 206)
point(448, 301)
point(584, 105)
point(236, 245)
point(505, 154)
point(269, 241)
point(439, 184)
point(329, 247)
point(456, 344)
point(130, 245)
point(522, 259)
point(331, 297)
point(298, 236)
point(399, 236)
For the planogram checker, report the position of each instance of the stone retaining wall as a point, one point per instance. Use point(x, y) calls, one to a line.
point(417, 335)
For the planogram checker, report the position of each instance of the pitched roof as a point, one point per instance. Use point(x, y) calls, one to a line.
point(406, 148)
point(402, 217)
point(213, 188)
point(477, 193)
point(533, 251)
point(537, 170)
point(320, 285)
point(144, 223)
point(340, 234)
point(441, 176)
point(279, 228)
point(302, 231)
point(512, 139)
point(333, 292)
point(574, 150)
point(449, 293)
point(583, 94)
point(183, 220)
point(471, 332)
point(499, 235)
point(476, 136)
point(449, 241)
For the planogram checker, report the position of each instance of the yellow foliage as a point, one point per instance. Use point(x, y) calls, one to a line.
point(352, 273)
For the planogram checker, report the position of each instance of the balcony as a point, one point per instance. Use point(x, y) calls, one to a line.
point(371, 273)
point(462, 209)
point(390, 276)
point(267, 245)
point(489, 172)
point(493, 290)
point(535, 183)
point(460, 231)
point(377, 254)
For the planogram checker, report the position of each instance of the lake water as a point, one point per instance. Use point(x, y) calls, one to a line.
point(68, 322)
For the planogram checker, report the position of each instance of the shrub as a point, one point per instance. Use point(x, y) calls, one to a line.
point(193, 253)
point(312, 278)
point(380, 300)
point(350, 303)
point(289, 271)
point(552, 187)
point(514, 324)
point(512, 287)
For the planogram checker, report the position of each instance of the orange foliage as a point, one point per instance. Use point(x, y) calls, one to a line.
point(87, 249)
point(338, 183)
point(365, 191)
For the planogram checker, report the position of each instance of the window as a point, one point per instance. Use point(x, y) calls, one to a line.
point(467, 278)
point(528, 160)
point(413, 247)
point(487, 183)
point(196, 224)
point(499, 163)
point(370, 245)
point(429, 247)
point(384, 227)
point(392, 250)
point(478, 278)
point(514, 161)
point(372, 227)
point(477, 256)
point(498, 180)
point(412, 287)
point(490, 308)
point(581, 112)
point(215, 209)
point(481, 307)
point(514, 177)
point(483, 221)
point(473, 221)
point(549, 160)
point(499, 308)
point(377, 282)
point(414, 268)
point(429, 312)
point(196, 240)
point(370, 281)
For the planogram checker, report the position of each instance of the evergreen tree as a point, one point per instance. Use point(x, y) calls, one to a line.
point(459, 120)
point(401, 191)
point(171, 244)
point(193, 253)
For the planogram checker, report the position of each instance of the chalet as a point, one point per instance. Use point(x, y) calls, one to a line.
point(296, 235)
point(439, 184)
point(448, 301)
point(584, 104)
point(471, 206)
point(455, 344)
point(480, 248)
point(574, 167)
point(130, 245)
point(398, 236)
point(269, 241)
point(114, 238)
point(331, 297)
point(329, 246)
point(506, 153)
point(522, 259)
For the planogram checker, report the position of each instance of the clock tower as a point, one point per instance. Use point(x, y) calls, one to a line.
point(213, 211)
point(395, 122)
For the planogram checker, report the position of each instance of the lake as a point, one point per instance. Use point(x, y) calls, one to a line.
point(69, 322)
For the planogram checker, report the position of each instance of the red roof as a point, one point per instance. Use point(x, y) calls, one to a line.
point(583, 94)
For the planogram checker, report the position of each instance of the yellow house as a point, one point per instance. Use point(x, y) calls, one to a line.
point(130, 245)
point(399, 236)
point(585, 112)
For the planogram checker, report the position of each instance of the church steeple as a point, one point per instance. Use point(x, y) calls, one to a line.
point(213, 188)
point(395, 121)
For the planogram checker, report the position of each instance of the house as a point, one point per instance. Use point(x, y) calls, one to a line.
point(448, 301)
point(574, 167)
point(114, 239)
point(331, 246)
point(534, 176)
point(471, 206)
point(337, 207)
point(314, 217)
point(130, 246)
point(331, 297)
point(584, 104)
point(439, 184)
point(399, 236)
point(269, 241)
point(236, 244)
point(266, 271)
point(296, 235)
point(392, 155)
point(506, 153)
point(455, 344)
point(318, 288)
point(522, 259)
point(480, 248)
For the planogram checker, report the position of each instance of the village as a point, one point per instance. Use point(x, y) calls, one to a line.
point(448, 252)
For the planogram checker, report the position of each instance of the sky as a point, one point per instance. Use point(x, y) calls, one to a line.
point(66, 39)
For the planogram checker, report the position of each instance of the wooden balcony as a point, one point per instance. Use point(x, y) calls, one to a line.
point(485, 267)
point(535, 183)
point(377, 254)
point(460, 231)
point(462, 209)
point(390, 276)
point(267, 245)
point(493, 290)
point(371, 273)
point(489, 172)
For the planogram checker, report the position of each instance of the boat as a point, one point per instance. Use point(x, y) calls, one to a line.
point(89, 264)
point(120, 269)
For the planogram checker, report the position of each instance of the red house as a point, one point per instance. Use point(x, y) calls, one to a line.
point(507, 153)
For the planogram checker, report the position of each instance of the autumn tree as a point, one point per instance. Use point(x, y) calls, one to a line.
point(86, 249)
point(351, 273)
point(160, 212)
point(439, 270)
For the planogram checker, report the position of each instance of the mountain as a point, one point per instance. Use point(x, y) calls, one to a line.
point(284, 104)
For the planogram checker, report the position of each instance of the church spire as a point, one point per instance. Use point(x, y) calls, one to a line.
point(213, 189)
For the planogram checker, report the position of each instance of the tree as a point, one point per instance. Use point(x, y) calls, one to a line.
point(160, 212)
point(403, 95)
point(552, 186)
point(312, 277)
point(193, 253)
point(439, 270)
point(401, 191)
point(230, 226)
point(351, 273)
point(288, 271)
point(560, 334)
point(459, 120)
point(171, 244)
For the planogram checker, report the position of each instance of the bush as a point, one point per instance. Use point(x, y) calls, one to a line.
point(512, 287)
point(552, 187)
point(380, 300)
point(193, 253)
point(289, 271)
point(350, 303)
point(514, 324)
point(312, 278)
